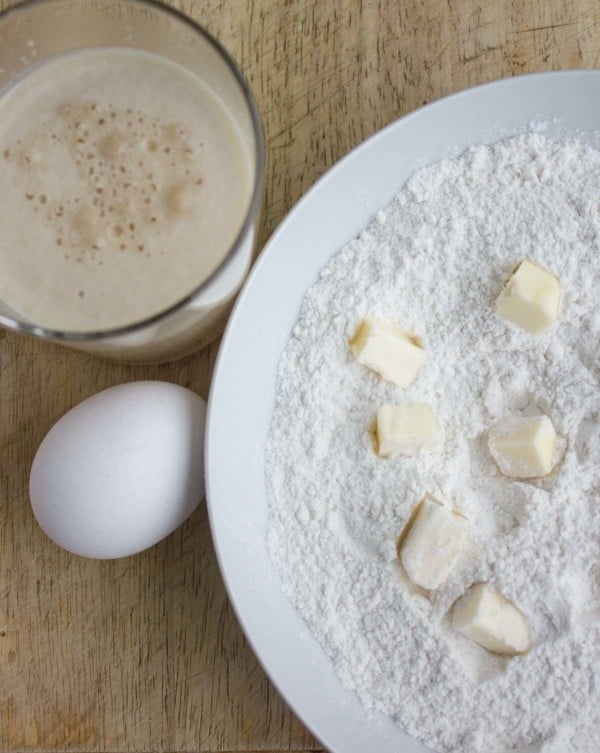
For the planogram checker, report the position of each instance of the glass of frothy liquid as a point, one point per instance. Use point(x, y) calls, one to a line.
point(132, 164)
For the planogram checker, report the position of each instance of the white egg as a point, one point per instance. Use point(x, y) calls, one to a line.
point(121, 470)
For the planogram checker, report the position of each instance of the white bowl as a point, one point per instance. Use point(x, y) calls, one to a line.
point(243, 390)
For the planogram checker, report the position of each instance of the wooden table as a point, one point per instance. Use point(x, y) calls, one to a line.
point(144, 654)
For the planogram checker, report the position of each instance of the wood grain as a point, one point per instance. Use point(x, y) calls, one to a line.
point(145, 654)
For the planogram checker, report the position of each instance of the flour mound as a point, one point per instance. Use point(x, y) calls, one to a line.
point(434, 261)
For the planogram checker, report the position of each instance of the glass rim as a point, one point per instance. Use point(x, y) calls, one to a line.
point(252, 210)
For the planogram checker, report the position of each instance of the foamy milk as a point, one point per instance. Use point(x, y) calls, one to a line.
point(124, 184)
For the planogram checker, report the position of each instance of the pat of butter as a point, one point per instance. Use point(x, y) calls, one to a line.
point(523, 446)
point(530, 299)
point(487, 617)
point(431, 546)
point(394, 354)
point(405, 429)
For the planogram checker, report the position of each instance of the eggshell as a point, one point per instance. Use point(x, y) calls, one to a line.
point(121, 470)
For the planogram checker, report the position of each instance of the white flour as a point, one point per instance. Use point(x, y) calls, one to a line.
point(434, 261)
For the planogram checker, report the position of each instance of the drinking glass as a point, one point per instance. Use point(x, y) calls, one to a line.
point(37, 30)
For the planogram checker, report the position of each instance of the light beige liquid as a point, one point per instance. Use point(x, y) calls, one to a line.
point(124, 184)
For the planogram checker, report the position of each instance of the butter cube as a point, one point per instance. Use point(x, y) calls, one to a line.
point(394, 354)
point(489, 619)
point(530, 299)
point(432, 543)
point(523, 446)
point(405, 429)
